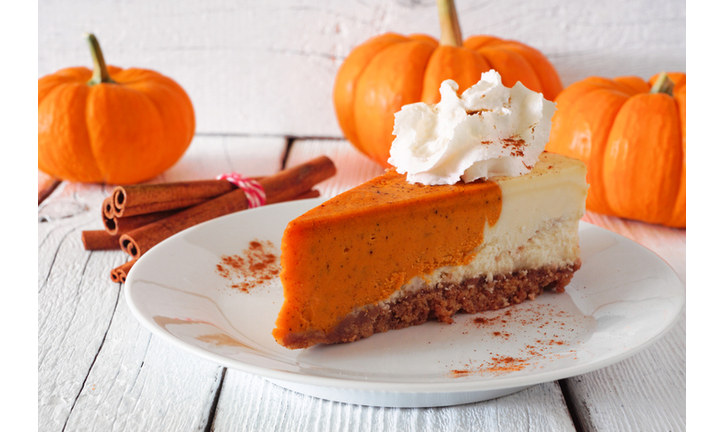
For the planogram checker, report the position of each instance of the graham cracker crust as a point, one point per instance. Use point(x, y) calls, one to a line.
point(440, 302)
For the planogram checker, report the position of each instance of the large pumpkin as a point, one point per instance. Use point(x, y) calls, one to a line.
point(391, 70)
point(632, 136)
point(111, 125)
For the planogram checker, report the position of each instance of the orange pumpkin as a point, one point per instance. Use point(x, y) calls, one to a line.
point(111, 125)
point(392, 70)
point(631, 134)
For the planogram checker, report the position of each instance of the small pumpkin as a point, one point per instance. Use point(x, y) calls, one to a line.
point(631, 134)
point(111, 125)
point(391, 70)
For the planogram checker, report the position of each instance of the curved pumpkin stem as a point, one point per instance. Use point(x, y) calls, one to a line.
point(450, 33)
point(100, 71)
point(663, 84)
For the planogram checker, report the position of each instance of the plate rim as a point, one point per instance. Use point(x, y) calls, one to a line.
point(469, 384)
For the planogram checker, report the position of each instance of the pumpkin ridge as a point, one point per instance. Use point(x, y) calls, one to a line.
point(94, 152)
point(76, 73)
point(347, 79)
point(86, 132)
point(422, 77)
point(477, 42)
point(134, 76)
point(640, 176)
point(55, 88)
point(117, 159)
point(451, 62)
point(159, 164)
point(386, 78)
point(598, 153)
point(175, 91)
point(42, 166)
point(59, 151)
point(176, 151)
point(678, 214)
point(352, 108)
point(537, 74)
point(546, 73)
point(530, 69)
point(633, 85)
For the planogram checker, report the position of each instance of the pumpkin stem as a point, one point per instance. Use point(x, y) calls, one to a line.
point(450, 33)
point(663, 84)
point(100, 71)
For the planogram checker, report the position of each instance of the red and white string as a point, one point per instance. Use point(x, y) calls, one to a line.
point(253, 189)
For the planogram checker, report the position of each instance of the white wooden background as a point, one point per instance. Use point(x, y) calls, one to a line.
point(260, 76)
point(268, 67)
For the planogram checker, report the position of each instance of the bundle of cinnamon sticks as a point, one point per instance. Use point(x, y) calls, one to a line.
point(136, 218)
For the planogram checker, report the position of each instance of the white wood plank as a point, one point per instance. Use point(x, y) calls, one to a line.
point(645, 392)
point(248, 402)
point(139, 382)
point(648, 390)
point(269, 67)
point(98, 369)
point(353, 167)
point(76, 300)
point(210, 156)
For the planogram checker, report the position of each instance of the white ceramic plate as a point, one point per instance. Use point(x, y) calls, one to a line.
point(622, 299)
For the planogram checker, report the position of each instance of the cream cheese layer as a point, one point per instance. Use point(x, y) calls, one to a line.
point(537, 228)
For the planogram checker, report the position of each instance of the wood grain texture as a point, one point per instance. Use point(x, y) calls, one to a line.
point(644, 392)
point(98, 369)
point(248, 402)
point(648, 390)
point(269, 67)
point(139, 382)
point(75, 307)
point(353, 167)
point(210, 156)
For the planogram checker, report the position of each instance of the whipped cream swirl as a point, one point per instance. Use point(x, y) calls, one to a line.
point(491, 130)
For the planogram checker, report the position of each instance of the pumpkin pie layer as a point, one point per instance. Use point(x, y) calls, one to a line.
point(350, 265)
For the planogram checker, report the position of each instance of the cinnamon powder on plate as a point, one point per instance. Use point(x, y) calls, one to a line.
point(254, 266)
point(540, 318)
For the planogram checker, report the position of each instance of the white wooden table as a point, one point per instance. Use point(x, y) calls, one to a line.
point(99, 369)
point(260, 75)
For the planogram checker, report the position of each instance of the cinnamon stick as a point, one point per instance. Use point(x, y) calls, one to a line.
point(283, 186)
point(312, 193)
point(108, 210)
point(107, 213)
point(120, 273)
point(121, 225)
point(100, 240)
point(151, 198)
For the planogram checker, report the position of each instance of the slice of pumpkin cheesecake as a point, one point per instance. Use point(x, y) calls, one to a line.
point(390, 254)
